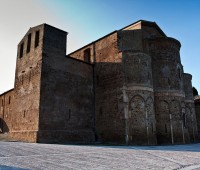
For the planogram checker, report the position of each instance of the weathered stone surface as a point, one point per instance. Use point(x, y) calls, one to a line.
point(197, 111)
point(127, 87)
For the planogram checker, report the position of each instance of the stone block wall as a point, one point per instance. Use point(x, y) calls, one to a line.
point(6, 110)
point(66, 101)
point(108, 83)
point(27, 86)
point(197, 111)
point(128, 87)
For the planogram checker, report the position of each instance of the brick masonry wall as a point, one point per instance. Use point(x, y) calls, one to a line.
point(127, 87)
point(6, 110)
point(197, 111)
point(27, 88)
point(66, 105)
point(108, 73)
point(137, 89)
point(190, 109)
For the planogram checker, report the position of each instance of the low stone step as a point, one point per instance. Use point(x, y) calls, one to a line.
point(5, 137)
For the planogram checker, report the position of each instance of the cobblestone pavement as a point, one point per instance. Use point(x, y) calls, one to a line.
point(20, 156)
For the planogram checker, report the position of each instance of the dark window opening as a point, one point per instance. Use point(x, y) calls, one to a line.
point(101, 111)
point(69, 114)
point(97, 80)
point(184, 120)
point(22, 79)
point(169, 82)
point(21, 50)
point(2, 102)
point(37, 35)
point(149, 76)
point(9, 100)
point(28, 44)
point(24, 115)
point(179, 73)
point(30, 76)
point(87, 55)
point(165, 128)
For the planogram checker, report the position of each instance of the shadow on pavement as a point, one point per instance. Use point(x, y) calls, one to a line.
point(3, 167)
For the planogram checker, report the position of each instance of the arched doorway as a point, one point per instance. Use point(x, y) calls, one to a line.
point(137, 122)
point(3, 126)
point(163, 123)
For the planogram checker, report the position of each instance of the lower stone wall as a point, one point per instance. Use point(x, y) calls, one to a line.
point(175, 119)
point(197, 110)
point(64, 136)
point(24, 136)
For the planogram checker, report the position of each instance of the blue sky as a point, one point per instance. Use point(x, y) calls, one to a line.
point(88, 20)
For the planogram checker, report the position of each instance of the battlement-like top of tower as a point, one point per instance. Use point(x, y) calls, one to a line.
point(31, 29)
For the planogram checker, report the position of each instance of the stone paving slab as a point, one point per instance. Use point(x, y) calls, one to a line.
point(24, 156)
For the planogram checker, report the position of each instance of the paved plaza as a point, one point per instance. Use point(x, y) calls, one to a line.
point(21, 156)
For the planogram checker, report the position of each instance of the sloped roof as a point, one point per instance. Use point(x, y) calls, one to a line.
point(142, 22)
point(146, 23)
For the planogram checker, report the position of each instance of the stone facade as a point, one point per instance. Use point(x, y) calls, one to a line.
point(127, 87)
point(197, 110)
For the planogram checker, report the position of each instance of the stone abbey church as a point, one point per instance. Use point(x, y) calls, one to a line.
point(128, 87)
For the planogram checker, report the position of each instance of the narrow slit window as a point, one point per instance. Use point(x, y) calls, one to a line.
point(97, 80)
point(37, 35)
point(21, 50)
point(179, 73)
point(100, 111)
point(184, 121)
point(87, 55)
point(69, 114)
point(22, 80)
point(30, 76)
point(28, 44)
point(165, 128)
point(24, 114)
point(9, 99)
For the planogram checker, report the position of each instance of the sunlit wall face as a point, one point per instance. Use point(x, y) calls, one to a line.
point(89, 20)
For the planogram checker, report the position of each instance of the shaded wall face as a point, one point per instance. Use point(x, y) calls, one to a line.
point(66, 106)
point(66, 112)
point(197, 111)
point(190, 109)
point(27, 87)
point(169, 86)
point(81, 53)
point(6, 111)
point(187, 79)
point(130, 40)
point(166, 64)
point(108, 94)
point(150, 32)
point(108, 80)
point(138, 89)
point(137, 69)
